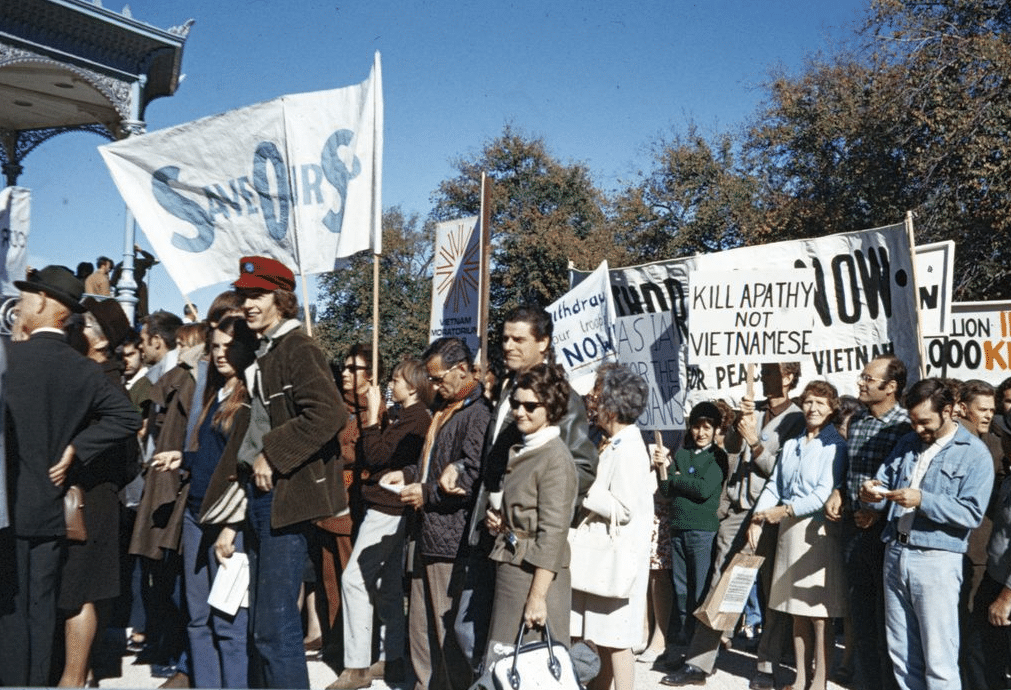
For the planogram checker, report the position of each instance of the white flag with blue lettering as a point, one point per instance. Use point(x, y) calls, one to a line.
point(297, 178)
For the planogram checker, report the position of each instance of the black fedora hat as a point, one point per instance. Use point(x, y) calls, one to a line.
point(110, 317)
point(59, 283)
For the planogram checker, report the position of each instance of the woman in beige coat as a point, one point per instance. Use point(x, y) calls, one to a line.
point(532, 516)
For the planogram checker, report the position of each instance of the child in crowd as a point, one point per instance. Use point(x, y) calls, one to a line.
point(693, 483)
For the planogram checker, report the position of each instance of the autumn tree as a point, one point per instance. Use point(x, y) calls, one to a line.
point(915, 117)
point(544, 213)
point(694, 199)
point(345, 295)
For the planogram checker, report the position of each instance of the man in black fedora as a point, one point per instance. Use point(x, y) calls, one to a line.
point(59, 406)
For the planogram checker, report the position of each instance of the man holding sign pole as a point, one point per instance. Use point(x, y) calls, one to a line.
point(752, 447)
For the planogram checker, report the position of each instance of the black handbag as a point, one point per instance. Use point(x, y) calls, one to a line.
point(543, 665)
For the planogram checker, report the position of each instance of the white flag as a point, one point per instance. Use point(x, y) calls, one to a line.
point(15, 217)
point(297, 178)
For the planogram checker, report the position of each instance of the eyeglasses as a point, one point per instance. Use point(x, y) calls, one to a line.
point(440, 378)
point(525, 404)
point(867, 378)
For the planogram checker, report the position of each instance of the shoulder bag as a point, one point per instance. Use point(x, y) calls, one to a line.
point(598, 565)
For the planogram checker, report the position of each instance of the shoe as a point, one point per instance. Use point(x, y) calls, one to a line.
point(687, 675)
point(178, 680)
point(762, 681)
point(314, 645)
point(377, 671)
point(352, 679)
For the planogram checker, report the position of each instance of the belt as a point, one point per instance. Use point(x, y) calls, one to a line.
point(902, 537)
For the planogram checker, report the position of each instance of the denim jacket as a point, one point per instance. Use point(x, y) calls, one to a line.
point(955, 491)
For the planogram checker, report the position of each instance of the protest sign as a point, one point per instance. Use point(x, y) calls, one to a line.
point(650, 327)
point(935, 267)
point(583, 321)
point(456, 281)
point(977, 344)
point(297, 179)
point(750, 316)
point(864, 302)
point(15, 218)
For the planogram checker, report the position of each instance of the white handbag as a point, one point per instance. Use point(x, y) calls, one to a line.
point(544, 665)
point(597, 566)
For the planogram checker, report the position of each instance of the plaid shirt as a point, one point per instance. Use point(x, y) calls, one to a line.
point(870, 440)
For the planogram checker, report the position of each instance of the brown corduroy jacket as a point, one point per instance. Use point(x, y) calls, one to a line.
point(306, 413)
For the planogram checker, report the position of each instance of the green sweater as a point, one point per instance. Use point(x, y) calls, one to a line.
point(694, 481)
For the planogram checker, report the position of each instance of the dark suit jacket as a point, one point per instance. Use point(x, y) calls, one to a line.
point(56, 397)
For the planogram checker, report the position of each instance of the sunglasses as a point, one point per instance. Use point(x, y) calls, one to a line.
point(354, 367)
point(526, 405)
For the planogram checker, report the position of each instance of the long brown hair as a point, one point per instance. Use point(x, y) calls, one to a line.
point(241, 353)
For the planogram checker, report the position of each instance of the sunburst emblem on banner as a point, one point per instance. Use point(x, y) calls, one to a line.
point(458, 268)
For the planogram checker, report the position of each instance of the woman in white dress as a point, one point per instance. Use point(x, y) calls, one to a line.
point(807, 579)
point(624, 488)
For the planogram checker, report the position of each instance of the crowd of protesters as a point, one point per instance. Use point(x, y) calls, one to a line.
point(416, 532)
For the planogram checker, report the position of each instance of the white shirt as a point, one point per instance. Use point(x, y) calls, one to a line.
point(916, 478)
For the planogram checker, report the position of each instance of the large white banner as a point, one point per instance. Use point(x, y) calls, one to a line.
point(864, 301)
point(15, 219)
point(977, 344)
point(583, 322)
point(297, 178)
point(935, 269)
point(456, 281)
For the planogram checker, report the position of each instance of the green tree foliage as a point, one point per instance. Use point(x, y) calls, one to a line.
point(694, 200)
point(543, 214)
point(405, 293)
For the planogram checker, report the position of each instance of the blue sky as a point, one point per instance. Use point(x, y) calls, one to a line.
point(597, 80)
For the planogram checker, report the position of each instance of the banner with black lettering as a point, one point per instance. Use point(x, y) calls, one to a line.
point(977, 344)
point(864, 303)
point(935, 270)
point(15, 219)
point(456, 279)
point(297, 178)
point(583, 323)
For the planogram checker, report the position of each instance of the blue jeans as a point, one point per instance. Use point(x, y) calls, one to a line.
point(921, 616)
point(691, 561)
point(277, 559)
point(218, 650)
point(753, 607)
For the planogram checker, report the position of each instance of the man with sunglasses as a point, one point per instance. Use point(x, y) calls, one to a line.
point(455, 436)
point(870, 439)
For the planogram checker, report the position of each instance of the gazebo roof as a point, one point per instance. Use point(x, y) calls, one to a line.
point(74, 64)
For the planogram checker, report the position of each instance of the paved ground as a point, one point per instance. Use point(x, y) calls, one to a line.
point(733, 673)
